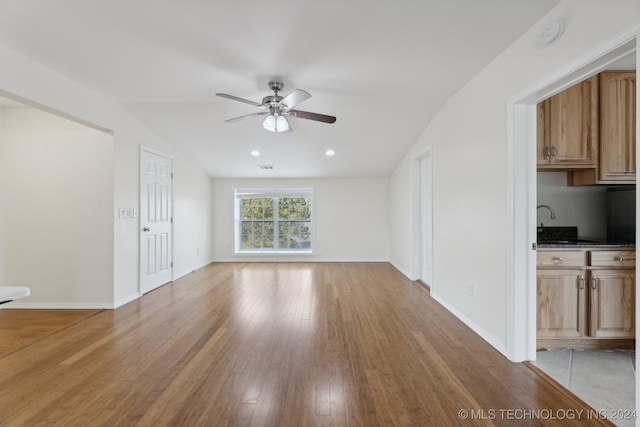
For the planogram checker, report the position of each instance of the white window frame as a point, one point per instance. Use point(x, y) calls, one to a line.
point(278, 192)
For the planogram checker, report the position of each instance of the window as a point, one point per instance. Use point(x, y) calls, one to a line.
point(273, 220)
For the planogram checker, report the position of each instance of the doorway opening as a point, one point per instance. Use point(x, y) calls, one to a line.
point(523, 192)
point(522, 330)
point(56, 197)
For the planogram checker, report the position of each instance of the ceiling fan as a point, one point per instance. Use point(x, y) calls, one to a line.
point(277, 108)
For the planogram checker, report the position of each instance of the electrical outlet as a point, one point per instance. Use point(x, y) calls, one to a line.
point(470, 288)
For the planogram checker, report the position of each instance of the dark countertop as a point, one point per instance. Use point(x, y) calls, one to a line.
point(566, 237)
point(586, 244)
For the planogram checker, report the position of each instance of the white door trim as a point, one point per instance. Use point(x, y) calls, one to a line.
point(426, 220)
point(521, 197)
point(171, 195)
point(416, 215)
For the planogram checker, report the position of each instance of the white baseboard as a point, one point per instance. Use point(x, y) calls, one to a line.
point(126, 300)
point(58, 306)
point(301, 258)
point(408, 276)
point(179, 275)
point(70, 306)
point(473, 326)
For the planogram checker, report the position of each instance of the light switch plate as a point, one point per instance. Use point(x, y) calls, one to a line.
point(127, 213)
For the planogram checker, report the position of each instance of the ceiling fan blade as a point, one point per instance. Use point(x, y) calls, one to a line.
point(237, 119)
point(312, 116)
point(295, 98)
point(235, 98)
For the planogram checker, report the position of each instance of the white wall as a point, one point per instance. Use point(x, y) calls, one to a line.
point(470, 166)
point(2, 202)
point(58, 194)
point(351, 220)
point(401, 220)
point(193, 212)
point(31, 82)
point(584, 207)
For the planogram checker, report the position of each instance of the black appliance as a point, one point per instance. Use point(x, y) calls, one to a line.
point(621, 214)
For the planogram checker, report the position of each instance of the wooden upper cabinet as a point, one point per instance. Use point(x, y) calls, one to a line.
point(567, 128)
point(543, 150)
point(618, 126)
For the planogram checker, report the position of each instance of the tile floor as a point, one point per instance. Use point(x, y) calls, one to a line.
point(604, 379)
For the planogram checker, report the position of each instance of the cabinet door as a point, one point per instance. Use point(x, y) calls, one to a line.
point(612, 303)
point(573, 125)
point(561, 303)
point(617, 126)
point(543, 150)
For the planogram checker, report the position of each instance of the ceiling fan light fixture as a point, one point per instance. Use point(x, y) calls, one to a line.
point(276, 123)
point(278, 107)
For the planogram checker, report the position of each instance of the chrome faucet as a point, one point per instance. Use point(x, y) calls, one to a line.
point(553, 214)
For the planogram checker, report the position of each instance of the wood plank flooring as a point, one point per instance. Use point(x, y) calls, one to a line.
point(275, 344)
point(19, 328)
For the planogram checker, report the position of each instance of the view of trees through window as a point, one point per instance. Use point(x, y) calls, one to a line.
point(275, 223)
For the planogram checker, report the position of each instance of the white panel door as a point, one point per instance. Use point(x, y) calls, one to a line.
point(156, 196)
point(426, 221)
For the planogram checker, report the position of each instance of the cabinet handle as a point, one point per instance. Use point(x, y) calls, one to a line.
point(594, 284)
point(581, 283)
point(619, 258)
point(554, 152)
point(559, 259)
point(547, 152)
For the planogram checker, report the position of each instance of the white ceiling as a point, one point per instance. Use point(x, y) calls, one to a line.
point(383, 67)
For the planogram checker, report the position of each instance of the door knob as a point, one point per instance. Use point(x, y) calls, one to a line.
point(146, 229)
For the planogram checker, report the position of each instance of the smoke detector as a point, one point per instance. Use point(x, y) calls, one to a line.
point(552, 32)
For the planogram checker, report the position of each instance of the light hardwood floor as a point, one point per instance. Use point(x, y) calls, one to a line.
point(275, 344)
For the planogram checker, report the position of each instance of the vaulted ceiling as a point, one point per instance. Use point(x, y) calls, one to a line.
point(383, 67)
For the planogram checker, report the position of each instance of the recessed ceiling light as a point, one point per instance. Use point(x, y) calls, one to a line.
point(330, 153)
point(255, 153)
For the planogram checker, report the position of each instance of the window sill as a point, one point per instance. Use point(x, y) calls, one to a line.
point(271, 253)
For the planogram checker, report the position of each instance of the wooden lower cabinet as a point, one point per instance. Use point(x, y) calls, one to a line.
point(561, 304)
point(612, 311)
point(581, 305)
